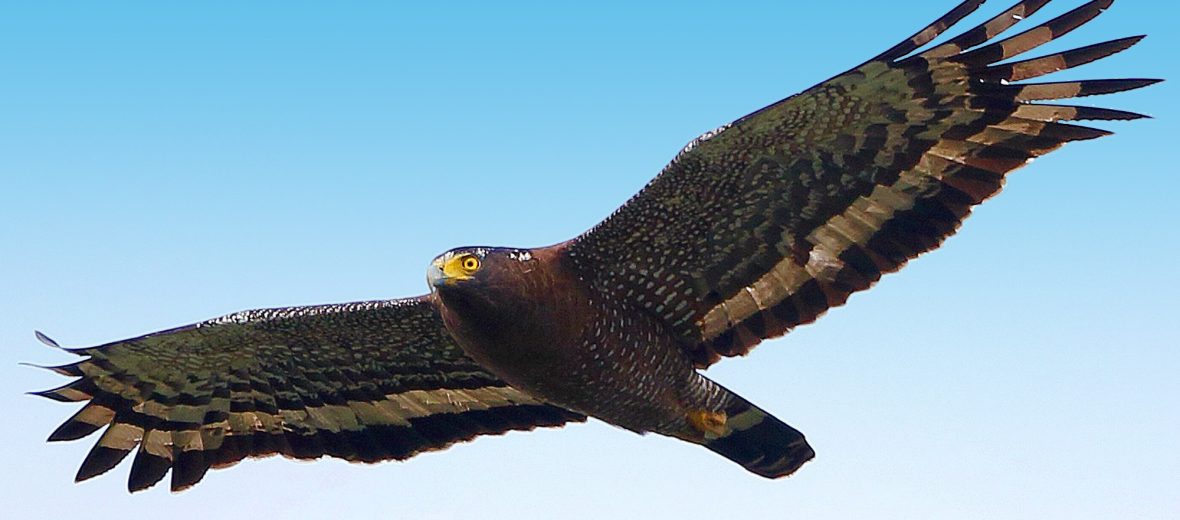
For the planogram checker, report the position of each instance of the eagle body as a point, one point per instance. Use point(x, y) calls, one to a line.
point(751, 230)
point(571, 347)
point(530, 319)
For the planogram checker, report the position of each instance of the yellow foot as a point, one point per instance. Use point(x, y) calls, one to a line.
point(708, 423)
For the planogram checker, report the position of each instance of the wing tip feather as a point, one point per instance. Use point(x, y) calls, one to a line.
point(929, 32)
point(46, 340)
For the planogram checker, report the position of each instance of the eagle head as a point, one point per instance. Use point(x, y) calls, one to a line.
point(487, 280)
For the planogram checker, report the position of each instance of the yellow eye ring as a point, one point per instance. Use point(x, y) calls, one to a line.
point(470, 263)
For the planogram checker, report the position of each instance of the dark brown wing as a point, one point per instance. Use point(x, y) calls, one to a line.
point(766, 223)
point(363, 381)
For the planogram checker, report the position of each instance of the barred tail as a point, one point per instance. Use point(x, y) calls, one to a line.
point(760, 442)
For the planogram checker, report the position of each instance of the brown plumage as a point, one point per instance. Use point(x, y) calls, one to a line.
point(753, 229)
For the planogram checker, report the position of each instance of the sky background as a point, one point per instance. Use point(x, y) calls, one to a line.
point(165, 163)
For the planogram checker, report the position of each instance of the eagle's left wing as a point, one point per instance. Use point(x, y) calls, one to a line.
point(364, 381)
point(768, 222)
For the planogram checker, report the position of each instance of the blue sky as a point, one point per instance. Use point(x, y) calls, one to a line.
point(163, 164)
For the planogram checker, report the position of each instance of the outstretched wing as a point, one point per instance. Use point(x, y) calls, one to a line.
point(363, 381)
point(764, 224)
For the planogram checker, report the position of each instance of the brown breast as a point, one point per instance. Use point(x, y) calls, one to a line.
point(526, 322)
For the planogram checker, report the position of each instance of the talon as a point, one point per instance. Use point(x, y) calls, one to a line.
point(708, 423)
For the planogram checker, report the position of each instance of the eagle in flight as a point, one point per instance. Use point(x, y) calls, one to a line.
point(753, 229)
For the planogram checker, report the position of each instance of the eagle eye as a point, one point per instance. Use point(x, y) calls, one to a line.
point(470, 263)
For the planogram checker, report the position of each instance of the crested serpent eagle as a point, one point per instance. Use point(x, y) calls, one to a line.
point(753, 229)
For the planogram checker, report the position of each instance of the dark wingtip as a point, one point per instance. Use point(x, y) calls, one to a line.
point(930, 32)
point(56, 395)
point(146, 471)
point(46, 340)
point(188, 468)
point(1124, 85)
point(1122, 44)
point(69, 369)
point(72, 430)
point(1132, 84)
point(1107, 114)
point(34, 365)
point(1094, 133)
point(1119, 45)
point(100, 460)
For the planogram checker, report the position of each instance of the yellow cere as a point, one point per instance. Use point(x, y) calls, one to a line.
point(461, 267)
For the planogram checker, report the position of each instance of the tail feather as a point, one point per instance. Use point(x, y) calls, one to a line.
point(760, 442)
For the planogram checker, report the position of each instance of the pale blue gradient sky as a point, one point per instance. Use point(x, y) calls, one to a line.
point(164, 164)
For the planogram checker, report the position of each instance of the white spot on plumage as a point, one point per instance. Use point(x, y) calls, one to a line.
point(520, 255)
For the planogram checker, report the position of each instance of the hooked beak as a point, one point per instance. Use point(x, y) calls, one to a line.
point(435, 277)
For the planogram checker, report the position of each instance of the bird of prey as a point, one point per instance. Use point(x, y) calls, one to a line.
point(753, 229)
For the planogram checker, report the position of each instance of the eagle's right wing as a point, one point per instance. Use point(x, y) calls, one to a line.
point(364, 381)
